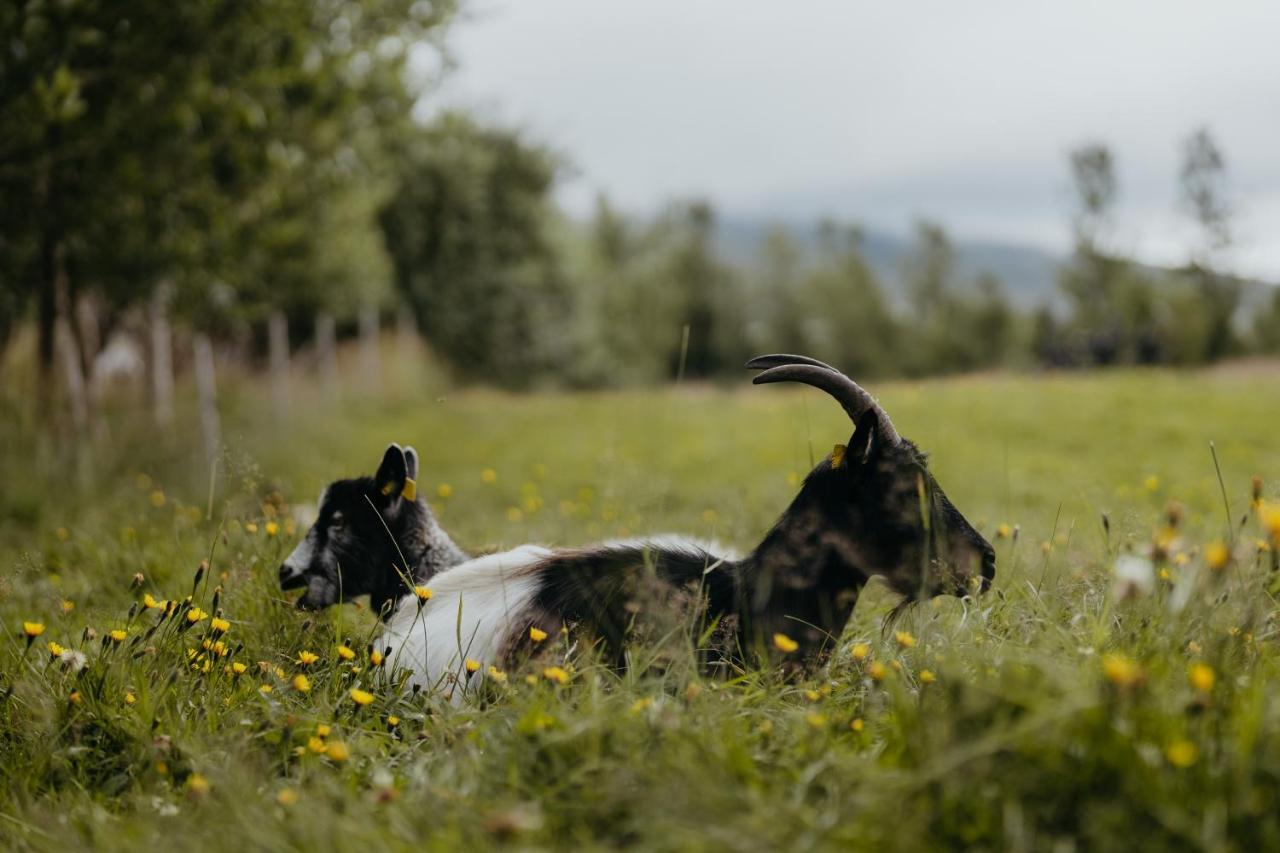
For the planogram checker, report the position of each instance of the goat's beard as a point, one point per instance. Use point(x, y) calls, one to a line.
point(321, 592)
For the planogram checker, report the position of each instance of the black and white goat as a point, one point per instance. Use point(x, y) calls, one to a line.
point(871, 508)
point(372, 536)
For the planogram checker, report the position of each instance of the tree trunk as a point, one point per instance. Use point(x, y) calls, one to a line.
point(161, 358)
point(77, 394)
point(47, 317)
point(278, 351)
point(326, 352)
point(207, 393)
point(369, 357)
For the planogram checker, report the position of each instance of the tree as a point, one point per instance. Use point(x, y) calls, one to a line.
point(1203, 180)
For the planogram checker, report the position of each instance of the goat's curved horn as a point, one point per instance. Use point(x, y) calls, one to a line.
point(764, 362)
point(855, 400)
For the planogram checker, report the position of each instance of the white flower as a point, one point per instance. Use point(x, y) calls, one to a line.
point(1134, 577)
point(73, 659)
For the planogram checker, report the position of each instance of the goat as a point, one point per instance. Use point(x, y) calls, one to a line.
point(871, 508)
point(372, 536)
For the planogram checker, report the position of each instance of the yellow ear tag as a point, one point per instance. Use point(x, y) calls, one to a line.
point(837, 456)
point(410, 492)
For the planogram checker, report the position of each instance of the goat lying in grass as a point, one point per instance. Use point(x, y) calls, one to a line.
point(372, 536)
point(871, 508)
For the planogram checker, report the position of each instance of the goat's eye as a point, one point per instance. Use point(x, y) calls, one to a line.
point(337, 520)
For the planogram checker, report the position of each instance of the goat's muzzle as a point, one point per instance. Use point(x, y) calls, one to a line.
point(291, 578)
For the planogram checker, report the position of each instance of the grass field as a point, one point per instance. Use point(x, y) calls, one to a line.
point(1048, 715)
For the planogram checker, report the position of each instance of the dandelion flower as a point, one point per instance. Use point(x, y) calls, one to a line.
point(818, 721)
point(197, 784)
point(444, 491)
point(488, 475)
point(68, 605)
point(1120, 670)
point(537, 634)
point(1004, 531)
point(905, 639)
point(375, 658)
point(323, 730)
point(556, 674)
point(272, 528)
point(287, 797)
point(251, 527)
point(129, 699)
point(316, 745)
point(1217, 555)
point(496, 674)
point(117, 636)
point(784, 644)
point(265, 688)
point(861, 651)
point(73, 659)
point(238, 668)
point(56, 650)
point(877, 670)
point(927, 677)
point(1269, 515)
point(149, 602)
point(472, 665)
point(393, 721)
point(1182, 753)
point(1201, 676)
point(641, 704)
point(306, 658)
point(337, 751)
point(856, 724)
point(74, 698)
point(220, 625)
point(32, 629)
point(157, 498)
point(346, 653)
point(1151, 483)
point(361, 697)
point(301, 683)
point(195, 615)
point(423, 593)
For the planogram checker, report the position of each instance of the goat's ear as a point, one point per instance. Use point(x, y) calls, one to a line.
point(392, 472)
point(411, 468)
point(866, 440)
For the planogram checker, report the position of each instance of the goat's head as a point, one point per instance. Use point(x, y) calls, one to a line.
point(873, 504)
point(354, 546)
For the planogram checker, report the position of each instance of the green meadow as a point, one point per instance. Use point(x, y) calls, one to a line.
point(1059, 711)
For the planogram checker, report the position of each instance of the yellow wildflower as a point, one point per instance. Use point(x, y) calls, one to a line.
point(1004, 531)
point(927, 677)
point(1269, 515)
point(272, 528)
point(117, 636)
point(68, 605)
point(346, 653)
point(488, 475)
point(157, 498)
point(337, 751)
point(238, 668)
point(444, 491)
point(472, 665)
point(149, 602)
point(1120, 670)
point(220, 625)
point(1182, 753)
point(877, 670)
point(393, 721)
point(641, 704)
point(322, 730)
point(784, 644)
point(815, 719)
point(195, 615)
point(423, 593)
point(1217, 556)
point(1151, 483)
point(287, 797)
point(905, 639)
point(556, 674)
point(375, 657)
point(56, 650)
point(301, 683)
point(361, 697)
point(861, 651)
point(856, 724)
point(537, 634)
point(316, 745)
point(129, 698)
point(306, 658)
point(197, 784)
point(496, 674)
point(251, 527)
point(32, 629)
point(1202, 677)
point(74, 698)
point(265, 688)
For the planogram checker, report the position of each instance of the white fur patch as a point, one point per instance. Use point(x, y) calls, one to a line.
point(435, 640)
point(674, 542)
point(301, 556)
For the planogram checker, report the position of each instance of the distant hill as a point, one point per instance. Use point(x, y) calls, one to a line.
point(1029, 275)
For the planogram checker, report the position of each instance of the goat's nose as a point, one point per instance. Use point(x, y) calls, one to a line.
point(988, 568)
point(290, 576)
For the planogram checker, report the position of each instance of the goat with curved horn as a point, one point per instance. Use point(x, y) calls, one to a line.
point(764, 362)
point(855, 399)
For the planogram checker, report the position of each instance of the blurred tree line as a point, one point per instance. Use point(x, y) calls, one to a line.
point(242, 160)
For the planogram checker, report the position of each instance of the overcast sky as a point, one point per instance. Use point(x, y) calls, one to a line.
point(880, 112)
